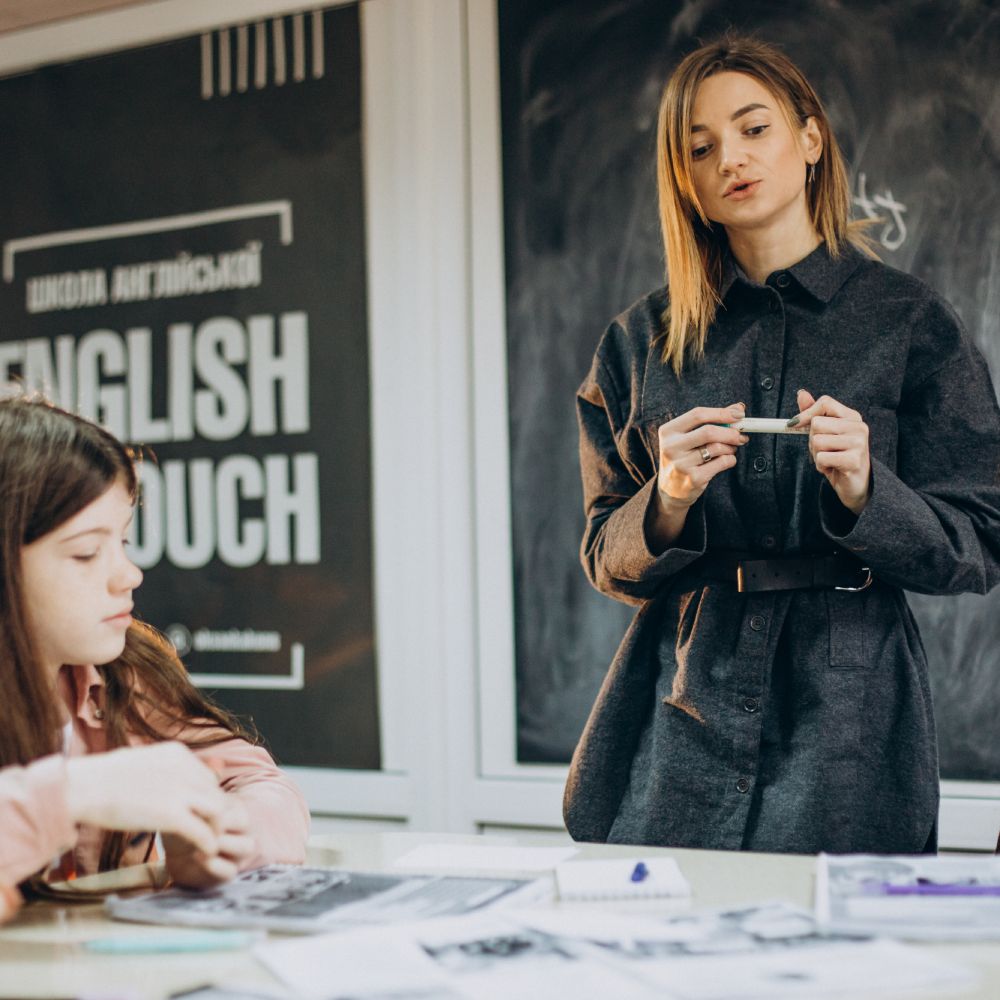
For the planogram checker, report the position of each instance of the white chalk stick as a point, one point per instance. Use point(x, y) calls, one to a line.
point(763, 425)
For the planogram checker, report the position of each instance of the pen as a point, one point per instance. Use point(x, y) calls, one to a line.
point(938, 889)
point(640, 872)
point(181, 941)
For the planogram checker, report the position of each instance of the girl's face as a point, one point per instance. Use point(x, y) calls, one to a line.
point(748, 165)
point(78, 584)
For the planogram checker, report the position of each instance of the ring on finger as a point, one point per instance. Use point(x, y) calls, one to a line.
point(706, 455)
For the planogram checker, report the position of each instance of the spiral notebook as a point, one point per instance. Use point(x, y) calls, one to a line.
point(620, 878)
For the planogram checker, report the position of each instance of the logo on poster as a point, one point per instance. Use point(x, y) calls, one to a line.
point(230, 640)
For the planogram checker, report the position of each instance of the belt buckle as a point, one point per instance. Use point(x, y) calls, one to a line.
point(864, 586)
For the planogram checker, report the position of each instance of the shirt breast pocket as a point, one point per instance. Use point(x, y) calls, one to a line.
point(883, 435)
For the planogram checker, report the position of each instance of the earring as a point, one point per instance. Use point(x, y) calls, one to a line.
point(812, 172)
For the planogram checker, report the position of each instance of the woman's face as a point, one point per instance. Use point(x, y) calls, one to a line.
point(78, 584)
point(748, 165)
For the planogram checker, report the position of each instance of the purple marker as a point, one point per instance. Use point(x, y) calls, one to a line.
point(937, 889)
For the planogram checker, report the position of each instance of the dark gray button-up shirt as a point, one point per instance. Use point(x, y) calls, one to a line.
point(789, 720)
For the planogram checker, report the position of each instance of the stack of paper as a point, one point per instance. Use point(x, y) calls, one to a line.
point(916, 897)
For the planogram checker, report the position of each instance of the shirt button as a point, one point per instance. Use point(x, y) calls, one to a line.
point(767, 382)
point(782, 281)
point(760, 464)
point(751, 704)
point(768, 541)
point(757, 622)
point(743, 786)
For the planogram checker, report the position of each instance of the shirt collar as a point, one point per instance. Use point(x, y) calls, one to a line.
point(819, 274)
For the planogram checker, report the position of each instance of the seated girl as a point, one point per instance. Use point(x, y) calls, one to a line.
point(104, 741)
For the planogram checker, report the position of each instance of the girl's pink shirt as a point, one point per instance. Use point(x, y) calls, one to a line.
point(35, 825)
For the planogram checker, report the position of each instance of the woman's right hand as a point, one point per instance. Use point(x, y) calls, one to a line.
point(163, 787)
point(694, 449)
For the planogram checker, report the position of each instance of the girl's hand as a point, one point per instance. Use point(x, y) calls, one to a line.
point(10, 902)
point(694, 449)
point(195, 869)
point(838, 443)
point(161, 787)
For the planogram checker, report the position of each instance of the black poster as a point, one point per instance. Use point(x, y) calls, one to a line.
point(183, 260)
point(910, 86)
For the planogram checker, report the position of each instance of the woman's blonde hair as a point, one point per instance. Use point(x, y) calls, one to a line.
point(694, 247)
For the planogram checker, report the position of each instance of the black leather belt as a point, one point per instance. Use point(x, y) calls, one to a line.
point(750, 573)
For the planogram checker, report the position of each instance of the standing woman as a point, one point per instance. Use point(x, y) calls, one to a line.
point(771, 693)
point(95, 760)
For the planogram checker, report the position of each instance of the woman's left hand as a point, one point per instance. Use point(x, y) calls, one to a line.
point(838, 443)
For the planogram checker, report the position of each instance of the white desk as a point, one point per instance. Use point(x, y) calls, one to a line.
point(40, 954)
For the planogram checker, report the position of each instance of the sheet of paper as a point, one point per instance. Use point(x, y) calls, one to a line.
point(358, 963)
point(871, 968)
point(483, 857)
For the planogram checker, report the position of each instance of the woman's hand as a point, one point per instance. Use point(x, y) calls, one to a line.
point(162, 787)
point(694, 448)
point(195, 869)
point(838, 443)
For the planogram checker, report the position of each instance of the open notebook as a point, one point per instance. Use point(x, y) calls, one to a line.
point(620, 878)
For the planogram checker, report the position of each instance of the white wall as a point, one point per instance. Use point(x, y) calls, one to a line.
point(439, 422)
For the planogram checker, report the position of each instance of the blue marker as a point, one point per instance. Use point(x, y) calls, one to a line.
point(640, 872)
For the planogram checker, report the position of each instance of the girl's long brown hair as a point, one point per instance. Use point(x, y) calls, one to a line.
point(52, 465)
point(695, 247)
point(148, 694)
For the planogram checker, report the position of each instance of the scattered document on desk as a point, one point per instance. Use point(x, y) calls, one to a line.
point(482, 956)
point(766, 952)
point(310, 900)
point(483, 857)
point(915, 897)
point(620, 878)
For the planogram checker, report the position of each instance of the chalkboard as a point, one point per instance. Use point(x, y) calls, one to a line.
point(911, 89)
